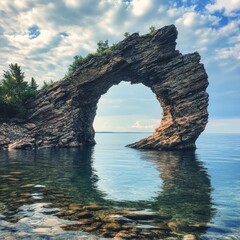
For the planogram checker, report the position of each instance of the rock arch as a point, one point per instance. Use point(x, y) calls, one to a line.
point(63, 115)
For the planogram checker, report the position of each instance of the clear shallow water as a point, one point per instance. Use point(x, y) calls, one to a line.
point(196, 189)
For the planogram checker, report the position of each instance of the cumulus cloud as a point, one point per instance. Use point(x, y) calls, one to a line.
point(140, 7)
point(229, 52)
point(194, 19)
point(72, 3)
point(85, 23)
point(230, 7)
point(149, 124)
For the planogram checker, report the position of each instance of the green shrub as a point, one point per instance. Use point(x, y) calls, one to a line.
point(14, 91)
point(102, 46)
point(152, 30)
point(103, 49)
point(46, 84)
point(126, 34)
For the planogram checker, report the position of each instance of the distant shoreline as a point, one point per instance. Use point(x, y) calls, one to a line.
point(152, 132)
point(121, 132)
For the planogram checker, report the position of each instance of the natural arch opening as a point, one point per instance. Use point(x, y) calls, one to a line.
point(127, 108)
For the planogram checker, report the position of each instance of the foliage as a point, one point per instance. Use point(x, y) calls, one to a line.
point(46, 84)
point(78, 61)
point(13, 85)
point(126, 34)
point(33, 85)
point(116, 46)
point(152, 30)
point(103, 49)
point(102, 46)
point(14, 91)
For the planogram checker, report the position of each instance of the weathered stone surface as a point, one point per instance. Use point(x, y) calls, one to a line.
point(63, 114)
point(13, 134)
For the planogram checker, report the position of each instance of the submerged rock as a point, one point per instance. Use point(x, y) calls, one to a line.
point(93, 207)
point(86, 221)
point(125, 224)
point(63, 114)
point(75, 207)
point(84, 215)
point(93, 227)
point(189, 237)
point(112, 226)
point(123, 235)
point(140, 216)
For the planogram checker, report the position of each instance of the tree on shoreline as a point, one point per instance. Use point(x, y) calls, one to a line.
point(14, 91)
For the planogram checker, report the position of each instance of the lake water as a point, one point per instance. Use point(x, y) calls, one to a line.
point(44, 194)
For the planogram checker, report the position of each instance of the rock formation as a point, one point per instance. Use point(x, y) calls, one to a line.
point(63, 114)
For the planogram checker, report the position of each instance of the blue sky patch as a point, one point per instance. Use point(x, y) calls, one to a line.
point(201, 5)
point(224, 20)
point(33, 31)
point(63, 34)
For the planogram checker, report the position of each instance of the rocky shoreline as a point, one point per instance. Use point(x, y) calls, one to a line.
point(16, 136)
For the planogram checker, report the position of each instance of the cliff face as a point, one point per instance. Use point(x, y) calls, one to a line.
point(62, 115)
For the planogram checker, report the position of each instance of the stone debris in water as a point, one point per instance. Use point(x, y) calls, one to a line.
point(63, 114)
point(42, 218)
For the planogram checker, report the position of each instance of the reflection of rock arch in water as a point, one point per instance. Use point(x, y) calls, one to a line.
point(185, 195)
point(186, 190)
point(184, 177)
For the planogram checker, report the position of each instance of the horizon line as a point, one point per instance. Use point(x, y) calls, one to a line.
point(153, 132)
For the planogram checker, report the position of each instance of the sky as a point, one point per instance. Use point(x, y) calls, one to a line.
point(43, 37)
